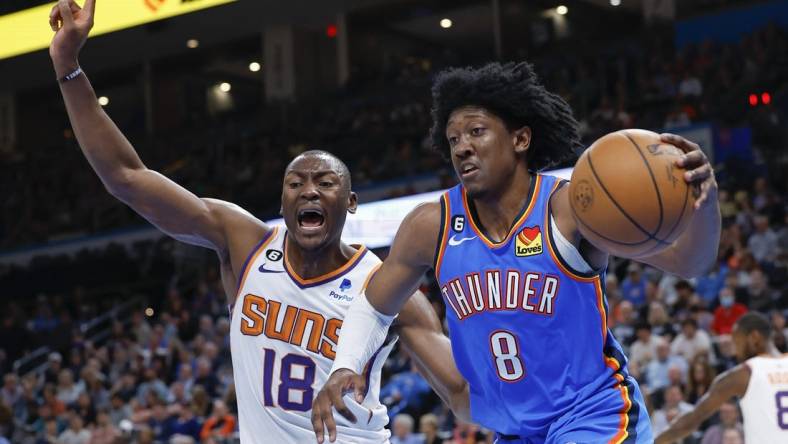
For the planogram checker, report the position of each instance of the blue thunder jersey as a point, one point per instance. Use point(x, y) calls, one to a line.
point(528, 333)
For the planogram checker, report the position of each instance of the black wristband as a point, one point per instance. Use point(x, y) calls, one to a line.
point(71, 76)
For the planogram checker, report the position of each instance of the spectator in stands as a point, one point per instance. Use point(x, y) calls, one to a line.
point(402, 430)
point(405, 390)
point(728, 312)
point(624, 323)
point(657, 372)
point(701, 374)
point(54, 361)
point(644, 349)
point(12, 391)
point(732, 436)
point(50, 433)
point(161, 422)
point(710, 285)
point(674, 406)
point(76, 433)
point(104, 432)
point(691, 341)
point(52, 401)
point(187, 424)
point(206, 376)
point(428, 426)
point(152, 384)
point(727, 356)
point(763, 243)
point(633, 287)
point(220, 424)
point(690, 85)
point(67, 390)
point(729, 419)
point(118, 410)
point(685, 299)
point(761, 297)
point(660, 323)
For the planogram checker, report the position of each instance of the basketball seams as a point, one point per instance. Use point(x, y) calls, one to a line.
point(623, 212)
point(653, 181)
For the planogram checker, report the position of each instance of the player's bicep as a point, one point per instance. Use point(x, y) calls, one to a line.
point(410, 257)
point(177, 211)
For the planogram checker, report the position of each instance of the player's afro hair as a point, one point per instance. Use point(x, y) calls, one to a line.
point(512, 92)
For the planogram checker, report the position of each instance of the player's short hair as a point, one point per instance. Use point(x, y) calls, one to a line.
point(512, 92)
point(344, 171)
point(753, 321)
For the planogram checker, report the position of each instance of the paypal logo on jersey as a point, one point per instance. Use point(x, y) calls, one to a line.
point(344, 286)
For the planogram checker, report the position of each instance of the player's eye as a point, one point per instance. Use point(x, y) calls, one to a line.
point(478, 131)
point(453, 140)
point(294, 185)
point(326, 184)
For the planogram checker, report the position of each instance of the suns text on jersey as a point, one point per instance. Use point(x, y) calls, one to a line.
point(261, 316)
point(497, 290)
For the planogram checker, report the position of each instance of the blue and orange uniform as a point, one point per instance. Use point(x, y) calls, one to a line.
point(529, 333)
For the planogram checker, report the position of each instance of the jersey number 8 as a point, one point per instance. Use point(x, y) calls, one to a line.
point(506, 351)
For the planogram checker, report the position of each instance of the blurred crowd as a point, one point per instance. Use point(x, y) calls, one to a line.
point(164, 375)
point(378, 125)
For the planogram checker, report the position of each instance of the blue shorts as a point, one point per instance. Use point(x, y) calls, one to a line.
point(605, 418)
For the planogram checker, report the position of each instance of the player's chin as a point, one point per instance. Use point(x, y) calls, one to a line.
point(311, 238)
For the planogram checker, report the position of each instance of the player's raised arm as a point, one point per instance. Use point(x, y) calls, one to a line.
point(420, 331)
point(170, 207)
point(725, 386)
point(367, 321)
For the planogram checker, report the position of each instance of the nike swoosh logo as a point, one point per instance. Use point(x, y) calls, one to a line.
point(454, 242)
point(262, 269)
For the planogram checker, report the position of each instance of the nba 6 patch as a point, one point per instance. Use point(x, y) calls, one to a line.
point(528, 242)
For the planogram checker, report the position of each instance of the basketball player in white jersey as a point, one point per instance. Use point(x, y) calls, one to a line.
point(288, 289)
point(760, 382)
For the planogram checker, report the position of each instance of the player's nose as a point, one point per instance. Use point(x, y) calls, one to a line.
point(309, 191)
point(463, 148)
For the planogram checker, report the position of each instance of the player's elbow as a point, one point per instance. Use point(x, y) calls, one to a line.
point(120, 184)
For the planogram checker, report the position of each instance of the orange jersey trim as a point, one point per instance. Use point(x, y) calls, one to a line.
point(533, 198)
point(271, 235)
point(369, 277)
point(352, 262)
point(444, 237)
point(624, 415)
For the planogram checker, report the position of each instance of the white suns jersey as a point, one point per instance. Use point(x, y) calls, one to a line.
point(765, 403)
point(284, 333)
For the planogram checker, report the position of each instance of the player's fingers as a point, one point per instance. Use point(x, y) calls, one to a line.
point(317, 421)
point(705, 189)
point(331, 426)
point(679, 142)
point(692, 159)
point(90, 7)
point(54, 17)
point(341, 407)
point(65, 12)
point(360, 390)
point(698, 174)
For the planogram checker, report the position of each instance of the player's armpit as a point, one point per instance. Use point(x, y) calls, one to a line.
point(725, 386)
point(420, 330)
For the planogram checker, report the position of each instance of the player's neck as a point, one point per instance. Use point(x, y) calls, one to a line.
point(309, 264)
point(497, 210)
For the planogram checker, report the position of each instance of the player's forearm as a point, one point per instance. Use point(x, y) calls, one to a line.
point(104, 146)
point(696, 248)
point(431, 353)
point(679, 428)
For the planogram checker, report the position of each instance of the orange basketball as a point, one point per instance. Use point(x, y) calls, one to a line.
point(628, 196)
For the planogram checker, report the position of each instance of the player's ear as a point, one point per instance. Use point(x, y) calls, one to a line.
point(521, 139)
point(352, 203)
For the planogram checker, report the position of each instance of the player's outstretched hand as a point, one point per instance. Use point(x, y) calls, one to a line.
point(699, 171)
point(71, 24)
point(330, 397)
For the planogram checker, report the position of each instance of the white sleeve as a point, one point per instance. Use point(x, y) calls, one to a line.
point(363, 332)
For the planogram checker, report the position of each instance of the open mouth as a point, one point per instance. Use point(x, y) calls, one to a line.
point(312, 218)
point(467, 170)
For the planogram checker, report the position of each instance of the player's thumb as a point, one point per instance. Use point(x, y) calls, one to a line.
point(65, 12)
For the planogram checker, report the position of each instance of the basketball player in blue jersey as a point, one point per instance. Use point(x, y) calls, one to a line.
point(316, 198)
point(524, 291)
